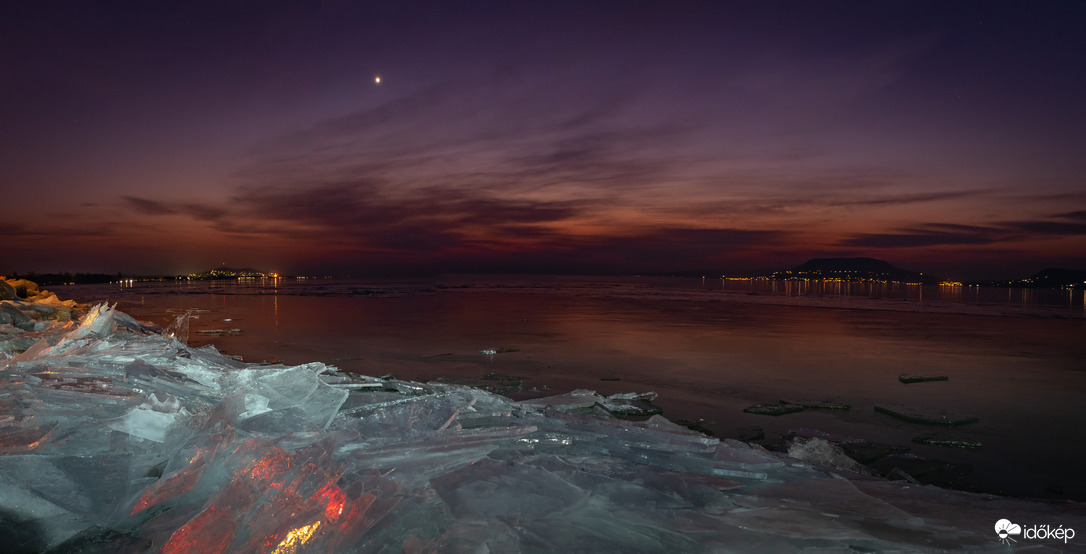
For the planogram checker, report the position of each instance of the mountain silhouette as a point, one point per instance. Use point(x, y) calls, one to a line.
point(854, 269)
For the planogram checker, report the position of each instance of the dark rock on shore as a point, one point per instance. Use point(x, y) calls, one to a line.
point(15, 316)
point(24, 288)
point(7, 292)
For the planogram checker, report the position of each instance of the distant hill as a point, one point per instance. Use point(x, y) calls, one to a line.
point(1052, 278)
point(228, 273)
point(854, 269)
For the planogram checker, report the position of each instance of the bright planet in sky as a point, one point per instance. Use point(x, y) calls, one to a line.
point(377, 79)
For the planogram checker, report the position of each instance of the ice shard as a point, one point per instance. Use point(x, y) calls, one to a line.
point(179, 328)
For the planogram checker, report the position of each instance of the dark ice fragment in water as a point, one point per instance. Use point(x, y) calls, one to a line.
point(931, 416)
point(792, 406)
point(818, 405)
point(911, 378)
point(935, 440)
point(773, 409)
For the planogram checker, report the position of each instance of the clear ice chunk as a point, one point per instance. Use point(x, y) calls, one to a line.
point(179, 328)
point(151, 419)
point(292, 396)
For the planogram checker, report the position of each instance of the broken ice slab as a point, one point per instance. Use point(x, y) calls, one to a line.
point(492, 351)
point(588, 401)
point(407, 387)
point(737, 459)
point(96, 324)
point(31, 523)
point(773, 409)
point(868, 453)
point(99, 538)
point(23, 438)
point(564, 509)
point(415, 458)
point(493, 382)
point(579, 399)
point(818, 404)
point(33, 352)
point(151, 419)
point(861, 450)
point(291, 397)
point(359, 386)
point(792, 406)
point(818, 451)
point(930, 416)
point(835, 438)
point(631, 404)
point(219, 332)
point(948, 442)
point(86, 486)
point(179, 328)
point(912, 378)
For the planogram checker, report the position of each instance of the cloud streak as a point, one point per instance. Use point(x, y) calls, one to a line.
point(949, 234)
point(147, 206)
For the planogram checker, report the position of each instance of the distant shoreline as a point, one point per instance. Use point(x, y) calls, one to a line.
point(982, 301)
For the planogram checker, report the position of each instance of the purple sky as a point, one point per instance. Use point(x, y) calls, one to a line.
point(168, 137)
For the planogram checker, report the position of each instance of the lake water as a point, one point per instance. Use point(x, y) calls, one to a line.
point(709, 347)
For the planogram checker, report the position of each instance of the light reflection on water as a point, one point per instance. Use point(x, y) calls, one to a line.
point(852, 295)
point(710, 348)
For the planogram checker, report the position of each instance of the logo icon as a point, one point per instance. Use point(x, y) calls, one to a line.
point(1004, 528)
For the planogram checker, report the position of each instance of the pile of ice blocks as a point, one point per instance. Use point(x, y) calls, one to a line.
point(114, 437)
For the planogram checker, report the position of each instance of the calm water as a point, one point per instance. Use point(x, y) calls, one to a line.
point(710, 348)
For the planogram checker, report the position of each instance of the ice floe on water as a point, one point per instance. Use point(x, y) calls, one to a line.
point(118, 437)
